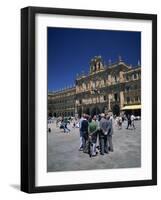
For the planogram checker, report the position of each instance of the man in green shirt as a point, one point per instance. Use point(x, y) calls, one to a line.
point(92, 133)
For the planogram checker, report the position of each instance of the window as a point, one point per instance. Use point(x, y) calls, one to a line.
point(135, 87)
point(128, 99)
point(115, 78)
point(135, 76)
point(136, 98)
point(127, 88)
point(115, 96)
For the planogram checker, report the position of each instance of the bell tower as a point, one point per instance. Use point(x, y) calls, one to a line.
point(96, 64)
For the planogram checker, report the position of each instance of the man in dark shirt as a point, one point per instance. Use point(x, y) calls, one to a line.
point(84, 131)
point(109, 134)
point(128, 121)
point(104, 125)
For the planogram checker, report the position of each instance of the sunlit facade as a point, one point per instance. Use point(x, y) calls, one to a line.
point(106, 88)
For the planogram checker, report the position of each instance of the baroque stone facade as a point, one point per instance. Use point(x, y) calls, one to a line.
point(104, 88)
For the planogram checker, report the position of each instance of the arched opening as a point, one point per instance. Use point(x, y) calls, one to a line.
point(87, 111)
point(95, 111)
point(116, 110)
point(104, 110)
point(79, 112)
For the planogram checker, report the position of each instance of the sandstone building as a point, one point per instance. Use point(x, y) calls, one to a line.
point(106, 88)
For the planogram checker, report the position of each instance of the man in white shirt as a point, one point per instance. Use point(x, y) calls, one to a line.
point(132, 121)
point(81, 134)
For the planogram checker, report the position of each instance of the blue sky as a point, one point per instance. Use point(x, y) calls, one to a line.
point(70, 51)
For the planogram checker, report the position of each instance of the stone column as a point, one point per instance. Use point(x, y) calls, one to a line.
point(109, 102)
point(121, 99)
point(109, 79)
point(121, 77)
point(76, 109)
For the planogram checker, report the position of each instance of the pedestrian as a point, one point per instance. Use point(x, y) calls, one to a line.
point(63, 125)
point(92, 133)
point(66, 125)
point(98, 133)
point(109, 134)
point(59, 120)
point(128, 121)
point(119, 122)
point(111, 118)
point(84, 133)
point(103, 134)
point(74, 124)
point(132, 121)
point(49, 129)
point(81, 134)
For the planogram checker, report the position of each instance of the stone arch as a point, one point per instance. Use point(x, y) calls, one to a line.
point(95, 111)
point(87, 111)
point(116, 109)
point(103, 109)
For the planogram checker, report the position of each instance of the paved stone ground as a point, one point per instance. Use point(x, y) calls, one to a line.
point(63, 154)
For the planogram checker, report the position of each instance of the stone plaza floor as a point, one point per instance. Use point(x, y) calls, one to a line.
point(63, 154)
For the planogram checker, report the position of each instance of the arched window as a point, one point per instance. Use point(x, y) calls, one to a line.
point(94, 68)
point(115, 78)
point(127, 88)
point(135, 76)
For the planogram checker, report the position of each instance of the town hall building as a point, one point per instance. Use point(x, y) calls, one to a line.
point(115, 87)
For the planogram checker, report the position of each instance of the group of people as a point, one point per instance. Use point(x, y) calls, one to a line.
point(130, 121)
point(96, 134)
point(64, 125)
point(129, 118)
